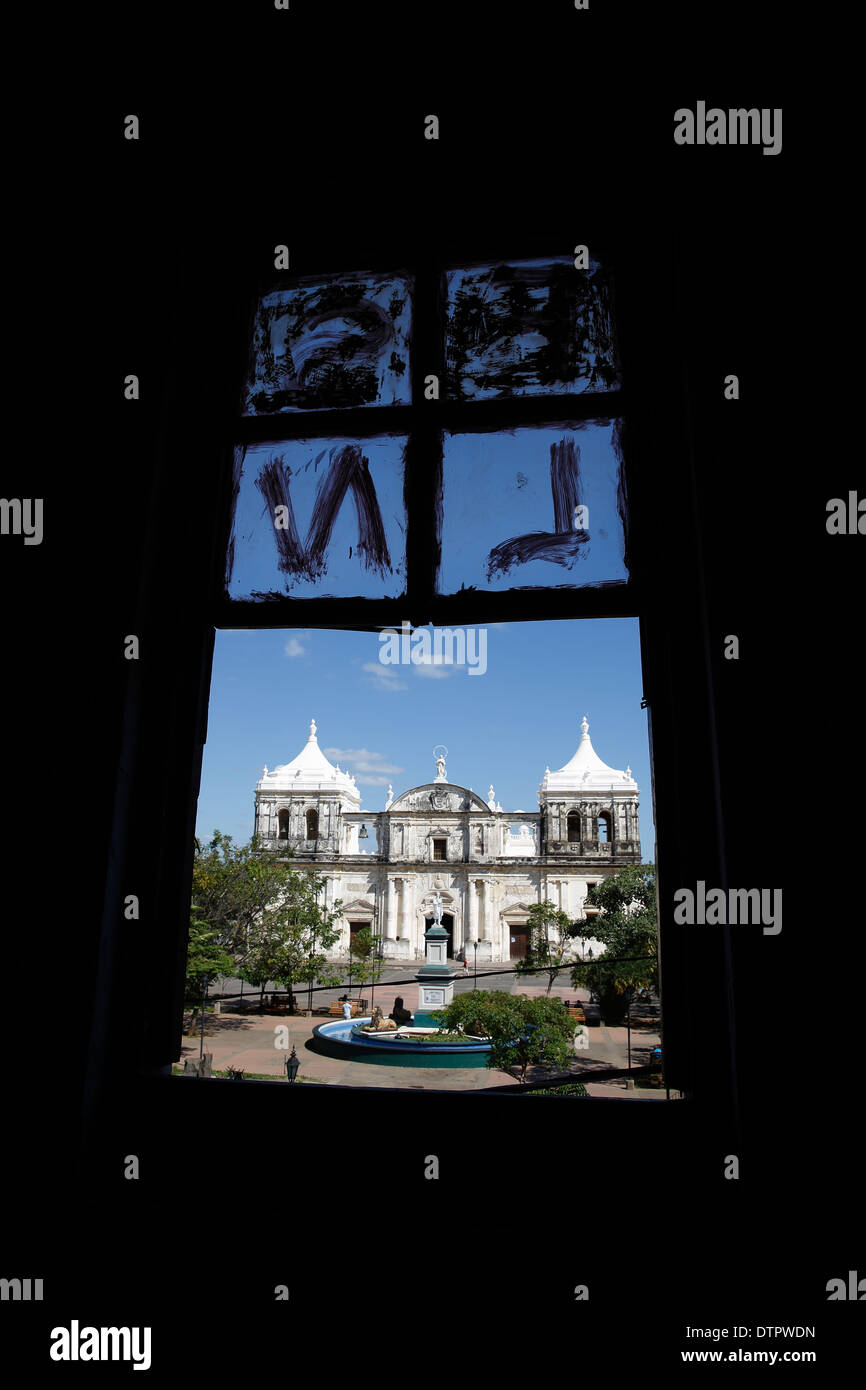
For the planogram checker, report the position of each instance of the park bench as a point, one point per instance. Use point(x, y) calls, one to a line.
point(359, 1007)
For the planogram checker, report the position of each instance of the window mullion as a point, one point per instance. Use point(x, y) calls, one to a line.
point(423, 479)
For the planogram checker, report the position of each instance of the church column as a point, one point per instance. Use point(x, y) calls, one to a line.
point(404, 907)
point(483, 902)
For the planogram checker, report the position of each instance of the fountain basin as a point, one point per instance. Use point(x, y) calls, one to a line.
point(343, 1038)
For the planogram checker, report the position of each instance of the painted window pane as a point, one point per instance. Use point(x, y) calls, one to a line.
point(529, 328)
point(533, 508)
point(319, 518)
point(340, 341)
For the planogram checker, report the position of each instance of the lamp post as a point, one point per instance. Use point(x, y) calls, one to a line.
point(203, 1003)
point(475, 976)
point(292, 1064)
point(628, 1024)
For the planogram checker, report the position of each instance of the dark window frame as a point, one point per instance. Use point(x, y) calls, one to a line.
point(424, 424)
point(166, 718)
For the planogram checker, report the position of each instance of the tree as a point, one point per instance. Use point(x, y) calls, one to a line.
point(233, 885)
point(288, 940)
point(550, 947)
point(628, 928)
point(523, 1032)
point(205, 961)
point(365, 962)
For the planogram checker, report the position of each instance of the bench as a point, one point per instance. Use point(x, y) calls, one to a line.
point(359, 1007)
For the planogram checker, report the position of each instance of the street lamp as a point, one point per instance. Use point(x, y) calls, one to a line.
point(292, 1064)
point(475, 976)
point(628, 1023)
point(203, 1005)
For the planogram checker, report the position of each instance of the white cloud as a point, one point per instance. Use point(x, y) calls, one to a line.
point(294, 648)
point(368, 768)
point(383, 677)
point(434, 670)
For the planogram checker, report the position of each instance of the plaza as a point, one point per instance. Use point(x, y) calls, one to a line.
point(247, 1041)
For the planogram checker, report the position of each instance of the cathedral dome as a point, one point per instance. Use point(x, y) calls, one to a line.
point(586, 772)
point(311, 772)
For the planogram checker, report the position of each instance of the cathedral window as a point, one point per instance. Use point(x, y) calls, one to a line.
point(604, 835)
point(440, 849)
point(312, 825)
point(573, 827)
point(284, 825)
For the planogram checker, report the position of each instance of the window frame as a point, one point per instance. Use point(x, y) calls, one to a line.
point(424, 424)
point(166, 719)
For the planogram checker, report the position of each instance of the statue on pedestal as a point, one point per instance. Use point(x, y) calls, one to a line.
point(379, 1024)
point(401, 1016)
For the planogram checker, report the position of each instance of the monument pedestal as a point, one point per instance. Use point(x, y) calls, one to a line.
point(435, 979)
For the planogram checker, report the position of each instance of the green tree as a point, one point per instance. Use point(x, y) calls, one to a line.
point(551, 943)
point(365, 963)
point(628, 928)
point(288, 941)
point(206, 960)
point(523, 1032)
point(233, 885)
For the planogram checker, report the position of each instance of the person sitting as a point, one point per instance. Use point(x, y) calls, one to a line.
point(401, 1016)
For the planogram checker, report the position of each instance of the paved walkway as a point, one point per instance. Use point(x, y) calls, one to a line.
point(248, 1041)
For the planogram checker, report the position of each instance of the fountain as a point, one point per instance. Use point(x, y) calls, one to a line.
point(361, 1041)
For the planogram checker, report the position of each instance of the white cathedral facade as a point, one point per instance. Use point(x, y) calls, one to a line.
point(488, 864)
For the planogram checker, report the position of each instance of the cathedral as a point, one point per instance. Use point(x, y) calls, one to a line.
point(488, 864)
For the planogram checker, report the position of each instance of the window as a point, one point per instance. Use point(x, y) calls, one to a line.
point(284, 825)
point(312, 825)
point(573, 827)
point(439, 849)
point(322, 457)
point(604, 827)
point(360, 488)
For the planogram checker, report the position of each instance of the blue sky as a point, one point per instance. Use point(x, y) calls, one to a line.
point(382, 722)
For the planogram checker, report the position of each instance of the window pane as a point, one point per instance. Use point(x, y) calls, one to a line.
point(318, 518)
point(529, 328)
point(341, 341)
point(512, 505)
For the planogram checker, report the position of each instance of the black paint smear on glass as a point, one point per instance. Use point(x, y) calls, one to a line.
point(348, 471)
point(492, 311)
point(561, 545)
point(273, 483)
point(319, 366)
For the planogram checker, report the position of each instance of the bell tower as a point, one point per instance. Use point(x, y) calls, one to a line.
point(300, 803)
point(590, 810)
